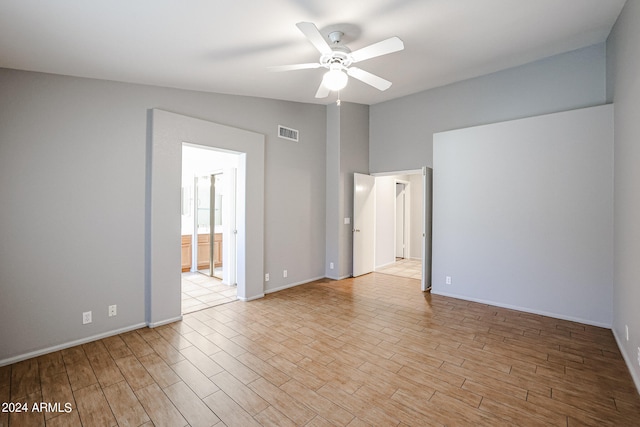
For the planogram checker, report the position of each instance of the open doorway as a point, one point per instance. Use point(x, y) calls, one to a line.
point(166, 133)
point(208, 234)
point(403, 225)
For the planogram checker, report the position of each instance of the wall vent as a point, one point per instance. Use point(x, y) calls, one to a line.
point(287, 133)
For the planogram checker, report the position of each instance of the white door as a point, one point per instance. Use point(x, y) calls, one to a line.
point(427, 187)
point(230, 231)
point(363, 224)
point(400, 220)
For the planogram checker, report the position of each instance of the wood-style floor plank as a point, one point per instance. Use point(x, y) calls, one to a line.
point(93, 408)
point(190, 406)
point(369, 351)
point(125, 405)
point(159, 408)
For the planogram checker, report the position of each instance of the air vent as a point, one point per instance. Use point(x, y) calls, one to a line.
point(287, 133)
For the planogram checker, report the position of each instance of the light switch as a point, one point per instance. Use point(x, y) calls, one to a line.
point(347, 220)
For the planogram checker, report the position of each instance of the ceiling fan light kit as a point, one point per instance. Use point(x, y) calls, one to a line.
point(335, 79)
point(338, 58)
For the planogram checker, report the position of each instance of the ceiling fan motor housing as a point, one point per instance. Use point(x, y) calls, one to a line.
point(338, 56)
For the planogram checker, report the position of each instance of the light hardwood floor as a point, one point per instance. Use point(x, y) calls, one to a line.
point(368, 351)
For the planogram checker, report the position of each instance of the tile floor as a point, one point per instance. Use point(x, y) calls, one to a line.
point(200, 291)
point(368, 351)
point(404, 267)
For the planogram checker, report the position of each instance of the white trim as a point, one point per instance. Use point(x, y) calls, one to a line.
point(405, 172)
point(385, 265)
point(164, 322)
point(291, 285)
point(69, 344)
point(524, 309)
point(251, 298)
point(630, 363)
point(335, 278)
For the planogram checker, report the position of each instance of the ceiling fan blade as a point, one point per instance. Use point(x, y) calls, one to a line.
point(368, 78)
point(384, 47)
point(295, 67)
point(313, 34)
point(322, 92)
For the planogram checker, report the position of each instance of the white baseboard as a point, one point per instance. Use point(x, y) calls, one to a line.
point(164, 322)
point(74, 343)
point(251, 298)
point(335, 277)
point(524, 309)
point(635, 375)
point(291, 285)
point(377, 267)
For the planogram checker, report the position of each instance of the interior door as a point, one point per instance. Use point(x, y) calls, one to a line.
point(363, 224)
point(427, 209)
point(400, 220)
point(230, 232)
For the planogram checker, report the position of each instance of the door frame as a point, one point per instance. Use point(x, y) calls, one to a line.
point(427, 190)
point(166, 132)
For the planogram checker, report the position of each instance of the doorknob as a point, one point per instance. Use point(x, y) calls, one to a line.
point(355, 230)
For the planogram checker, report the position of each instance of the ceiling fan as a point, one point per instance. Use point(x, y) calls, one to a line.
point(338, 58)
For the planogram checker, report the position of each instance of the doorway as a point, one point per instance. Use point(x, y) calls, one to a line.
point(402, 210)
point(208, 227)
point(166, 132)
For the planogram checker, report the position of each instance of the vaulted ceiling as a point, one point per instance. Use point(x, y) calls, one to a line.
point(226, 46)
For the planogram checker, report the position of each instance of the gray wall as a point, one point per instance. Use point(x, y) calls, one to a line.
point(354, 158)
point(347, 152)
point(623, 60)
point(523, 214)
point(72, 185)
point(401, 130)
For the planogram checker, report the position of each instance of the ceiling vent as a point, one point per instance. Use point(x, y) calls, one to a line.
point(287, 133)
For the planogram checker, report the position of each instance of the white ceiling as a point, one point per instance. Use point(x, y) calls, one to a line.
point(226, 46)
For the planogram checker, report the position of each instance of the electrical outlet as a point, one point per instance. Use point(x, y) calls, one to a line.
point(331, 265)
point(266, 277)
point(638, 355)
point(284, 273)
point(86, 317)
point(447, 280)
point(626, 329)
point(113, 310)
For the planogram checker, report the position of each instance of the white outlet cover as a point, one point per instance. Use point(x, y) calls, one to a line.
point(266, 277)
point(86, 317)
